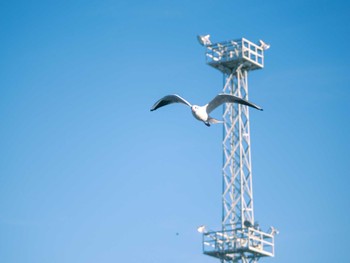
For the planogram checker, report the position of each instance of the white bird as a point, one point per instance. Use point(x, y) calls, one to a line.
point(263, 45)
point(201, 113)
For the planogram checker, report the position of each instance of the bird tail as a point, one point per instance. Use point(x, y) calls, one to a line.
point(214, 121)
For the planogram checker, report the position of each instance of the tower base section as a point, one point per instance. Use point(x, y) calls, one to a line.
point(235, 244)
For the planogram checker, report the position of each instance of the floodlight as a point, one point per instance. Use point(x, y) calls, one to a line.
point(273, 231)
point(202, 229)
point(204, 40)
point(263, 45)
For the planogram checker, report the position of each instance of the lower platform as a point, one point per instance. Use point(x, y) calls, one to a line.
point(231, 244)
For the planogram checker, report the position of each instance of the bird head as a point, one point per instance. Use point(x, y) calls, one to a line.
point(194, 108)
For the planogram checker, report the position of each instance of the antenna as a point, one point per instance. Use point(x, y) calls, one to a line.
point(240, 239)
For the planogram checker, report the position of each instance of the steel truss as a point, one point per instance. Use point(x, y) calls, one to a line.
point(237, 197)
point(240, 239)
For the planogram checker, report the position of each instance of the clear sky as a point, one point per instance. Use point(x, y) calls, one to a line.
point(89, 174)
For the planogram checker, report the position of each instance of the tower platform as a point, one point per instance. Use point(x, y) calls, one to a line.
point(231, 244)
point(228, 55)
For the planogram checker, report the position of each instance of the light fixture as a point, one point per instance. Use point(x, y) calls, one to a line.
point(202, 229)
point(263, 45)
point(204, 40)
point(273, 231)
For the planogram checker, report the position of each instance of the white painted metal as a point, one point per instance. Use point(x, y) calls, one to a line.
point(237, 198)
point(239, 240)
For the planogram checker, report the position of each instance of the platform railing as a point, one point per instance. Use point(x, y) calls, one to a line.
point(231, 53)
point(224, 244)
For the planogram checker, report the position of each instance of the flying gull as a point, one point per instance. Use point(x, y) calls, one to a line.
point(201, 113)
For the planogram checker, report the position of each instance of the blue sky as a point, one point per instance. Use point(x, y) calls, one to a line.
point(88, 174)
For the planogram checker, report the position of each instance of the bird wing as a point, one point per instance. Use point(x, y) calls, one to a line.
point(226, 98)
point(169, 99)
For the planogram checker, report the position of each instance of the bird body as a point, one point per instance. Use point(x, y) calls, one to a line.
point(201, 113)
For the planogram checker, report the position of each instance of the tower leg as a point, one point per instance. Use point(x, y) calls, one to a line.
point(237, 193)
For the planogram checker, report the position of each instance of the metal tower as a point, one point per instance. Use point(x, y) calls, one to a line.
point(240, 239)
